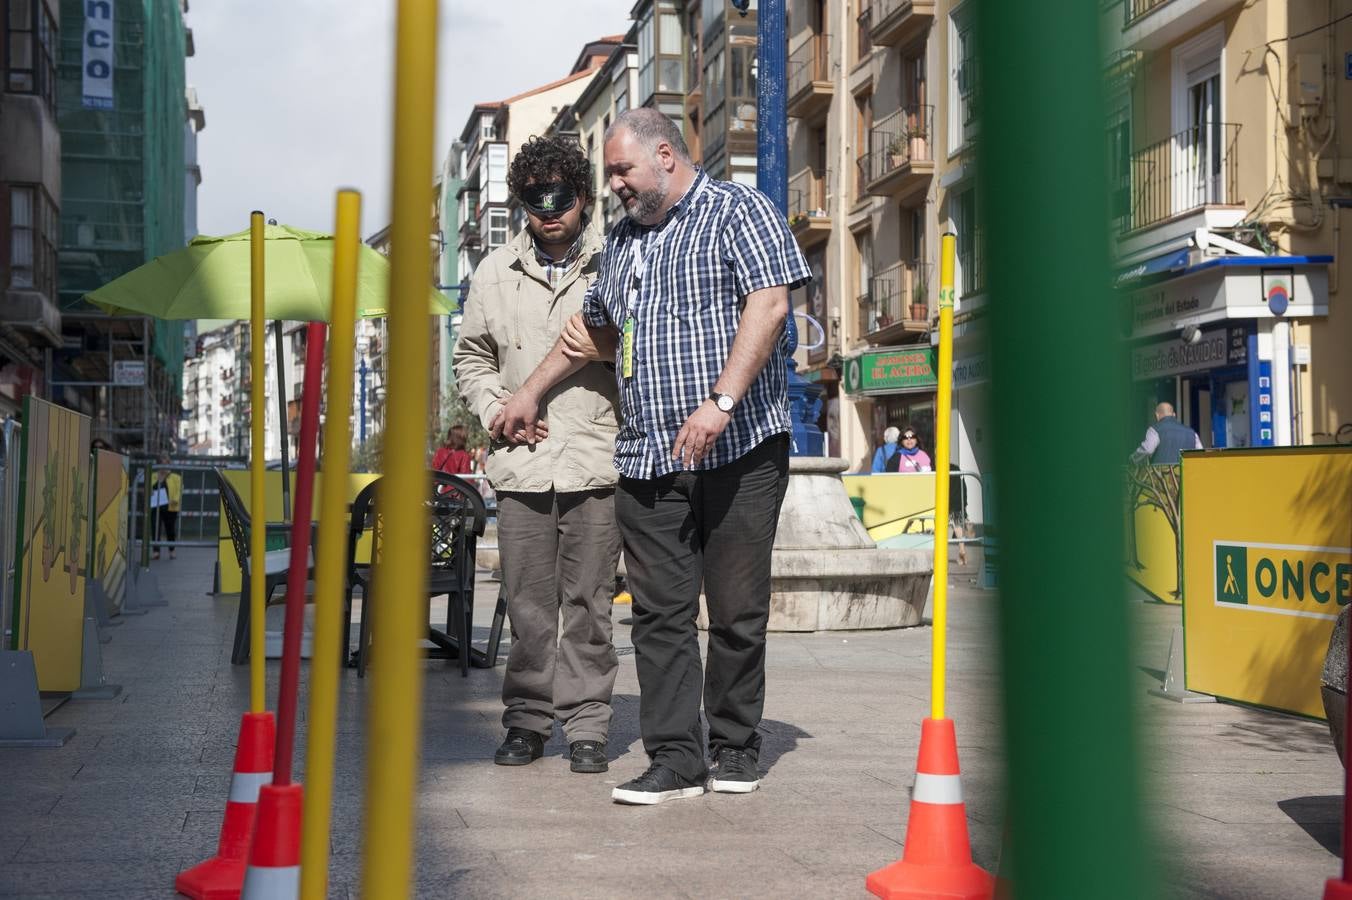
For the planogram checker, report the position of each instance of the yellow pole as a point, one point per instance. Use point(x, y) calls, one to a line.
point(258, 505)
point(331, 556)
point(943, 415)
point(401, 573)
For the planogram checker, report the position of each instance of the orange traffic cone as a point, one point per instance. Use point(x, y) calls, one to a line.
point(937, 860)
point(274, 855)
point(221, 877)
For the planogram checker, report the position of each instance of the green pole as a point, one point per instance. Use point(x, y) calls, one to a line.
point(1059, 384)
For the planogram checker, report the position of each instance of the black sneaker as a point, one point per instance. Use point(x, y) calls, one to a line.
point(587, 756)
point(735, 772)
point(656, 785)
point(521, 748)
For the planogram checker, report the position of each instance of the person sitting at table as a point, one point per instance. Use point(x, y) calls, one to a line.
point(452, 457)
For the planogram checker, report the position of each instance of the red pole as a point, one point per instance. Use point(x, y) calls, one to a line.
point(300, 549)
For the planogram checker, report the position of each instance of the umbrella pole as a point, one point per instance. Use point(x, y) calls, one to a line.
point(258, 504)
point(281, 425)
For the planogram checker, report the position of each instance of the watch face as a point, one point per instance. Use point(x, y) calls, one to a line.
point(725, 403)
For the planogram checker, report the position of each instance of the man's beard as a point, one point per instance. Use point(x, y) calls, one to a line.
point(650, 201)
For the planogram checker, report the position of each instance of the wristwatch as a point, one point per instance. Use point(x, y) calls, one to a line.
point(724, 402)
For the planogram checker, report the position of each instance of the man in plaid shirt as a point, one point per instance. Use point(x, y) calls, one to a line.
point(690, 303)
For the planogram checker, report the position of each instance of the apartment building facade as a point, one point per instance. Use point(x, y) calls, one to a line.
point(1229, 183)
point(30, 197)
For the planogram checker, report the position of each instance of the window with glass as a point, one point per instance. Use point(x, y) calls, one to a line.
point(646, 57)
point(964, 88)
point(30, 66)
point(32, 239)
point(969, 254)
point(1119, 163)
point(498, 225)
point(670, 51)
point(713, 83)
point(742, 87)
point(863, 128)
point(693, 35)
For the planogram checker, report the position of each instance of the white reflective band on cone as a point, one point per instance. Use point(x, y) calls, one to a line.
point(945, 789)
point(269, 883)
point(244, 786)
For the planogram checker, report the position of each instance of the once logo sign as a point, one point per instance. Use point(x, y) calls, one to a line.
point(98, 55)
point(1286, 579)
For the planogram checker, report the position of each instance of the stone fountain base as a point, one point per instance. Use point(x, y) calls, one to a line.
point(843, 589)
point(826, 573)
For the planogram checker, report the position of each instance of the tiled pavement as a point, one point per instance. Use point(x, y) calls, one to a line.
point(1248, 801)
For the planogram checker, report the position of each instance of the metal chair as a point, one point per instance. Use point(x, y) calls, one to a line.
point(276, 564)
point(457, 518)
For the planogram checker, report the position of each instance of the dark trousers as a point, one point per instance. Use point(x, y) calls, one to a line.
point(166, 524)
point(715, 527)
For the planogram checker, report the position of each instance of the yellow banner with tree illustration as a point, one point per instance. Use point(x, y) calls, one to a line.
point(1154, 559)
point(110, 526)
point(1267, 561)
point(52, 550)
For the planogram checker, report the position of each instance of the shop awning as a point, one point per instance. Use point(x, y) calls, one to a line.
point(1155, 267)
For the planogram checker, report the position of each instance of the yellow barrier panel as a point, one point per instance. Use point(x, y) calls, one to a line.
point(1152, 553)
point(331, 558)
point(942, 433)
point(894, 503)
point(401, 572)
point(109, 526)
point(257, 447)
point(52, 554)
point(1267, 562)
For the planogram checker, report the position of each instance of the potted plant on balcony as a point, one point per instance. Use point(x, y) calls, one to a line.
point(919, 302)
point(796, 219)
point(896, 151)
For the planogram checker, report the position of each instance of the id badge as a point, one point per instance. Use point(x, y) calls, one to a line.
point(627, 362)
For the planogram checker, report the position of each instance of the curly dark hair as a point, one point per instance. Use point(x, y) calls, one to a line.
point(547, 159)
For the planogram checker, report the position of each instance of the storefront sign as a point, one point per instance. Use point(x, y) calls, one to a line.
point(1215, 348)
point(98, 54)
point(130, 372)
point(1267, 563)
point(970, 370)
point(1227, 288)
point(891, 371)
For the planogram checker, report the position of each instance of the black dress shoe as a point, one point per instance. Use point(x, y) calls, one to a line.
point(587, 756)
point(521, 748)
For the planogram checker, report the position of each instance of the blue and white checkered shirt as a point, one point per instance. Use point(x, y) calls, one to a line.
point(684, 283)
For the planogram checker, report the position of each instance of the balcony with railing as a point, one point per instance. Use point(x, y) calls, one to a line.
point(809, 210)
point(1189, 171)
point(896, 302)
point(1155, 24)
point(900, 158)
point(809, 77)
point(898, 21)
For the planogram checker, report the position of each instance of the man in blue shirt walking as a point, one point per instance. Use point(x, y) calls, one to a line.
point(690, 302)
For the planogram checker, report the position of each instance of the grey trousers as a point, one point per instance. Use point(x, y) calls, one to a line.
point(559, 554)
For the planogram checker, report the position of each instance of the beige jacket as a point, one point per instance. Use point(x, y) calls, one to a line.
point(511, 320)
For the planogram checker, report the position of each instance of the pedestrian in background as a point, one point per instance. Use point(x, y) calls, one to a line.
point(691, 305)
point(452, 457)
point(888, 449)
point(166, 496)
point(909, 457)
point(557, 535)
point(1166, 440)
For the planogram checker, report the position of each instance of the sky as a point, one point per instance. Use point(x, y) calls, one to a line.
point(298, 93)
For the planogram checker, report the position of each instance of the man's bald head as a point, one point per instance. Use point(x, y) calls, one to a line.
point(1163, 410)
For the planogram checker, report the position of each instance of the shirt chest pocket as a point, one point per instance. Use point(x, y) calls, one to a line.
point(691, 284)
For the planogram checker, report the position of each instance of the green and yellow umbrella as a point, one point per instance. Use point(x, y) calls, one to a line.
point(209, 279)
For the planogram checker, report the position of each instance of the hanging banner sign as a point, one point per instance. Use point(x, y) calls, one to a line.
point(97, 60)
